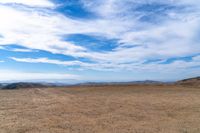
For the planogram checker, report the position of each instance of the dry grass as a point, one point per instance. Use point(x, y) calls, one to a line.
point(106, 109)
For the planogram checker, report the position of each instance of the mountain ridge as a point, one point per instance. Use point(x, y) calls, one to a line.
point(20, 85)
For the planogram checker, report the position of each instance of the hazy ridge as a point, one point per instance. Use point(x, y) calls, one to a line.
point(190, 81)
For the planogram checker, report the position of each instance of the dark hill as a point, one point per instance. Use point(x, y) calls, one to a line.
point(23, 85)
point(146, 82)
point(190, 82)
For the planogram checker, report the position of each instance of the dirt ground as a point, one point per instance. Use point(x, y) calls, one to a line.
point(101, 109)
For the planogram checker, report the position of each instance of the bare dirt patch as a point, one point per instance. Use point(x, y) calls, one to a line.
point(101, 109)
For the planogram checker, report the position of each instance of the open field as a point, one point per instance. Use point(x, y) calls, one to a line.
point(101, 109)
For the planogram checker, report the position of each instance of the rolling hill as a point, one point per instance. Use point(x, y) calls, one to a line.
point(22, 85)
point(190, 82)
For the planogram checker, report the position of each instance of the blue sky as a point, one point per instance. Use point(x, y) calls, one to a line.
point(99, 40)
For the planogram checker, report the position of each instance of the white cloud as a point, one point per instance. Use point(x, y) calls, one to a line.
point(1, 61)
point(7, 75)
point(22, 50)
point(33, 3)
point(196, 58)
point(46, 60)
point(173, 36)
point(17, 49)
point(2, 48)
point(177, 65)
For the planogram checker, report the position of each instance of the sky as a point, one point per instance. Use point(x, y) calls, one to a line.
point(99, 40)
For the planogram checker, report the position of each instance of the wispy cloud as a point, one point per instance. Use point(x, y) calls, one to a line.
point(7, 75)
point(34, 3)
point(16, 49)
point(143, 30)
point(177, 64)
point(152, 37)
point(22, 50)
point(2, 48)
point(46, 60)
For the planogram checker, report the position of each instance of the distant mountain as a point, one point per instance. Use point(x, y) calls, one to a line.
point(187, 82)
point(146, 82)
point(21, 85)
point(119, 83)
point(190, 82)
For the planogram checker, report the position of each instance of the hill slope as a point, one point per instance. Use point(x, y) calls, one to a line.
point(190, 82)
point(23, 85)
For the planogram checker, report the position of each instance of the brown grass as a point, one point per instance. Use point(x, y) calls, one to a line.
point(105, 109)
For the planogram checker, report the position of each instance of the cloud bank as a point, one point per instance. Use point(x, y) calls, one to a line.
point(7, 75)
